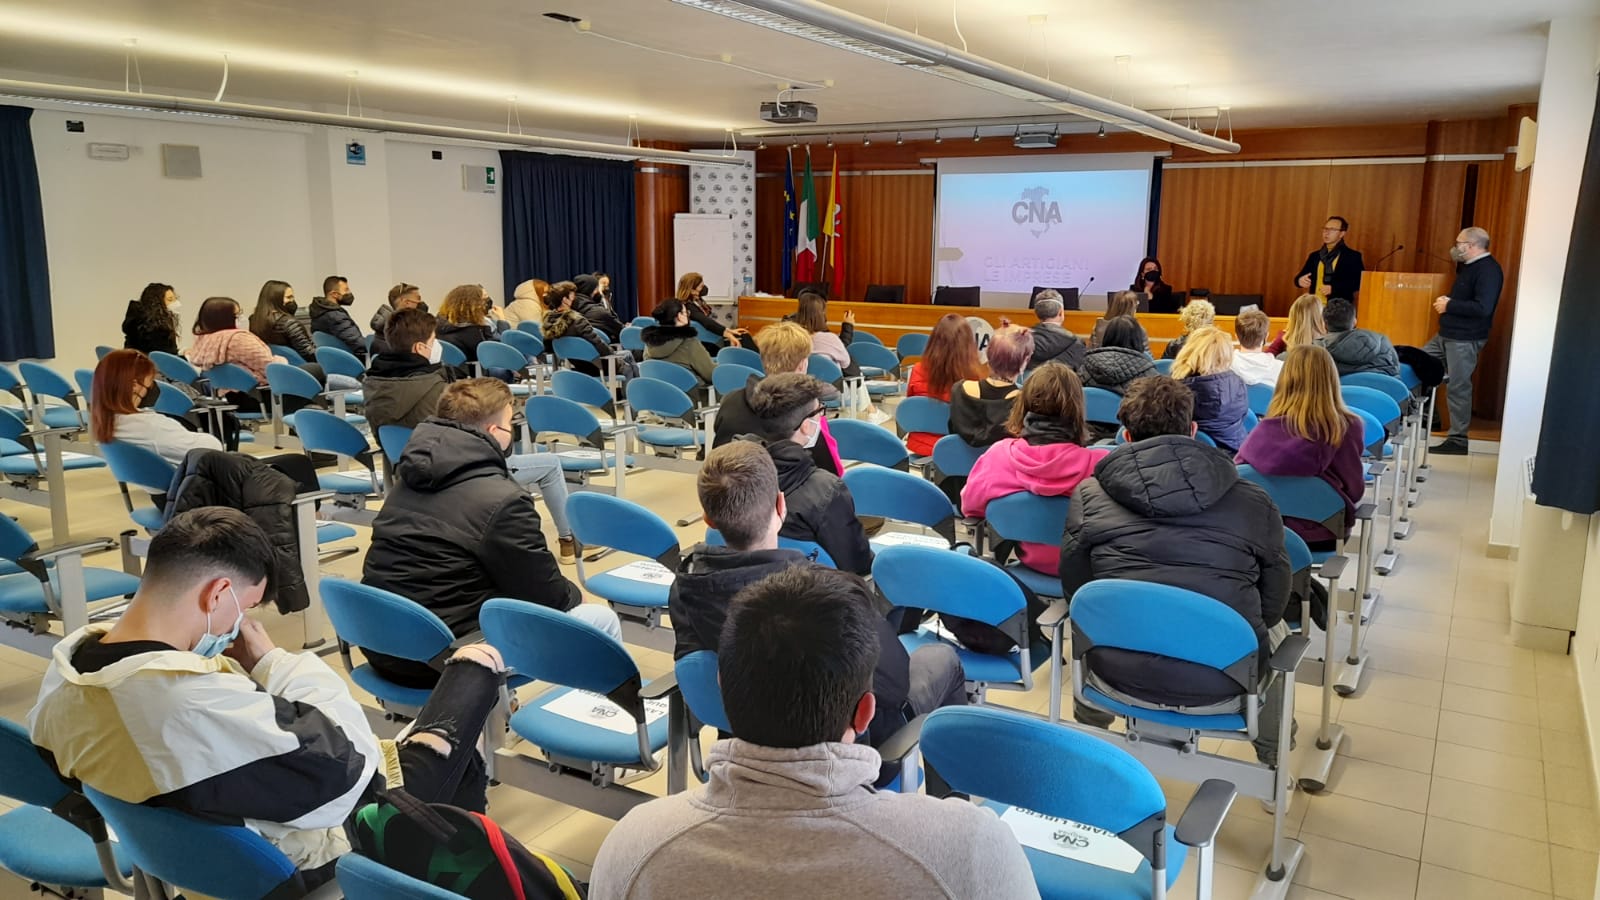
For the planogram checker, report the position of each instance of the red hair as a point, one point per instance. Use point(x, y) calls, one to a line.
point(114, 380)
point(952, 355)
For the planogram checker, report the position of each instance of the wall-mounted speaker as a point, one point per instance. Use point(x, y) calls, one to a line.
point(180, 160)
point(1527, 137)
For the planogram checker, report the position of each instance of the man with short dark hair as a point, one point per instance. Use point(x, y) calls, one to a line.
point(738, 486)
point(1355, 349)
point(330, 314)
point(1466, 315)
point(185, 703)
point(401, 296)
point(1167, 509)
point(405, 379)
point(789, 808)
point(1250, 362)
point(1332, 270)
point(457, 529)
point(1051, 341)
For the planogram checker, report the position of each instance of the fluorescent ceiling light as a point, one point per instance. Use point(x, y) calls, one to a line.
point(748, 14)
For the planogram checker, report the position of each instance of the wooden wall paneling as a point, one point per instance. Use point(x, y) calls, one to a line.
point(769, 235)
point(1382, 203)
point(888, 234)
point(661, 192)
point(1504, 218)
point(1439, 216)
point(1343, 141)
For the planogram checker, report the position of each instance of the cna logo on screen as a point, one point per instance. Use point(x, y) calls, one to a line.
point(1035, 212)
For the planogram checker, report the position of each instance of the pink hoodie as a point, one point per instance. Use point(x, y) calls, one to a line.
point(1014, 466)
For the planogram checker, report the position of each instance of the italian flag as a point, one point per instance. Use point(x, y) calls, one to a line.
point(805, 257)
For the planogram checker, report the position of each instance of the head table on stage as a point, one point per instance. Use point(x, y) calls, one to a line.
point(891, 320)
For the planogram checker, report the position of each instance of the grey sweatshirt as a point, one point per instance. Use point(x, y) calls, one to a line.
point(776, 823)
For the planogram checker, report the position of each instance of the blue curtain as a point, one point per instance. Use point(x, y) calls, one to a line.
point(565, 215)
point(25, 325)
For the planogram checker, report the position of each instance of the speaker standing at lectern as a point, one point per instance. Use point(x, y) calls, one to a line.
point(1465, 317)
point(1332, 270)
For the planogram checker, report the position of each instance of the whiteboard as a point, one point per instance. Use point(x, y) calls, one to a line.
point(704, 244)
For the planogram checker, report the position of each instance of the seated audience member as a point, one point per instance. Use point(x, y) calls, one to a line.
point(121, 410)
point(785, 347)
point(1206, 530)
point(1355, 349)
point(674, 340)
point(464, 319)
point(951, 358)
point(1309, 432)
point(591, 304)
point(1118, 360)
point(1305, 325)
point(457, 529)
point(1124, 305)
point(1045, 455)
point(151, 322)
point(1196, 314)
point(330, 314)
point(1148, 281)
point(405, 379)
point(692, 290)
point(821, 509)
point(561, 320)
point(1052, 342)
point(980, 409)
point(1250, 362)
point(185, 703)
point(1220, 400)
point(812, 315)
point(274, 321)
point(222, 335)
point(739, 494)
point(401, 296)
point(790, 806)
point(527, 302)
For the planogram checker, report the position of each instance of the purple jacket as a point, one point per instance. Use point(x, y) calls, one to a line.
point(1274, 451)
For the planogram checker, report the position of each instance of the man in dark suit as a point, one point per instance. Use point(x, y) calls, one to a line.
point(1465, 316)
point(1332, 270)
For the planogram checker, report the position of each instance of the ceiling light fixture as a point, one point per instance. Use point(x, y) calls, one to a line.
point(834, 27)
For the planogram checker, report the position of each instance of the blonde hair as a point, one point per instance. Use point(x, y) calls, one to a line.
point(785, 347)
point(1206, 351)
point(474, 401)
point(1197, 314)
point(1305, 321)
point(1125, 303)
point(464, 305)
point(1307, 396)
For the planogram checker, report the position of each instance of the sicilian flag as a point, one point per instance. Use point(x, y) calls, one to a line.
point(831, 228)
point(790, 221)
point(805, 259)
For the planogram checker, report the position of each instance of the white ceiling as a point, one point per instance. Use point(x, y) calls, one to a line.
point(1275, 62)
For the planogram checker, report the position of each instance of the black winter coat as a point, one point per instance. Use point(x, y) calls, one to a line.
point(217, 478)
point(402, 389)
point(1114, 368)
point(597, 312)
point(1220, 402)
point(331, 318)
point(735, 418)
point(286, 330)
point(1173, 511)
point(466, 338)
point(1052, 343)
point(148, 337)
point(1360, 350)
point(821, 509)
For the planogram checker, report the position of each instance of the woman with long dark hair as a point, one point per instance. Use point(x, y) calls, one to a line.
point(951, 357)
point(692, 289)
point(1148, 281)
point(1125, 305)
point(151, 322)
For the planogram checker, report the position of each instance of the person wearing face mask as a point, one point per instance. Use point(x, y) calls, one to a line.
point(458, 529)
point(151, 322)
point(789, 408)
point(273, 321)
point(1333, 269)
point(1149, 281)
point(121, 410)
point(185, 703)
point(403, 384)
point(1466, 315)
point(223, 335)
point(330, 315)
point(692, 290)
point(588, 302)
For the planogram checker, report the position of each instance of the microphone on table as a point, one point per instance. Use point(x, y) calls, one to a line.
point(1385, 257)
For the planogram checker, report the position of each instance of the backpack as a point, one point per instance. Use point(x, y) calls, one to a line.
point(460, 851)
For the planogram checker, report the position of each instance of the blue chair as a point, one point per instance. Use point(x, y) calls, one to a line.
point(1259, 397)
point(876, 360)
point(531, 346)
point(954, 456)
point(826, 370)
point(1035, 520)
point(574, 348)
point(44, 382)
point(556, 415)
point(1251, 420)
point(1100, 406)
point(362, 879)
point(392, 439)
point(533, 327)
point(637, 592)
point(102, 351)
point(743, 356)
point(866, 337)
point(1015, 762)
point(288, 353)
point(647, 394)
point(811, 549)
point(324, 432)
point(11, 384)
point(1164, 366)
point(336, 360)
point(924, 414)
point(22, 459)
point(324, 339)
point(728, 377)
point(141, 467)
point(65, 849)
point(956, 584)
point(374, 619)
point(53, 584)
point(706, 335)
point(1110, 616)
point(914, 344)
point(587, 390)
point(451, 355)
point(84, 378)
point(175, 368)
point(237, 863)
point(171, 401)
point(632, 338)
point(291, 381)
point(644, 321)
point(865, 442)
point(670, 372)
point(902, 497)
point(497, 355)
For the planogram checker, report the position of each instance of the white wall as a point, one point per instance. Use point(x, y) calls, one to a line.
point(440, 235)
point(1566, 106)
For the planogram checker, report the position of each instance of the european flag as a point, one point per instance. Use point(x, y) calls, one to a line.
point(791, 225)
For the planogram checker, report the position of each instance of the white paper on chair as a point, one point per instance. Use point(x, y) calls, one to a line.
point(1071, 840)
point(645, 570)
point(596, 710)
point(894, 538)
point(580, 454)
point(70, 456)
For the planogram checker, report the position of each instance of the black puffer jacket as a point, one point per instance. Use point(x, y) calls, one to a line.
point(1114, 368)
point(734, 417)
point(216, 478)
point(594, 309)
point(1052, 343)
point(331, 318)
point(466, 338)
point(402, 389)
point(287, 331)
point(1173, 511)
point(1220, 402)
point(456, 530)
point(821, 509)
point(559, 323)
point(1360, 350)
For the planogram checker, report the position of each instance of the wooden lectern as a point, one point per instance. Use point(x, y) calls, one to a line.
point(1400, 305)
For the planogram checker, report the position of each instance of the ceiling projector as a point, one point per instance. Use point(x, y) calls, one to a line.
point(1035, 141)
point(789, 112)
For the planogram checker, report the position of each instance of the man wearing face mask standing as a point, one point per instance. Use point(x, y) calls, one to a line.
point(1465, 316)
point(330, 314)
point(458, 529)
point(1332, 270)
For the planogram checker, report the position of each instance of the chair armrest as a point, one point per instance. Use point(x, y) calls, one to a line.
point(311, 497)
point(1202, 818)
point(1366, 511)
point(623, 426)
point(1054, 616)
point(78, 548)
point(902, 742)
point(46, 432)
point(1376, 468)
point(703, 411)
point(1289, 653)
point(665, 686)
point(1332, 567)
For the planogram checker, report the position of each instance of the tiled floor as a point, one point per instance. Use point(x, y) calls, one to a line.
point(1465, 773)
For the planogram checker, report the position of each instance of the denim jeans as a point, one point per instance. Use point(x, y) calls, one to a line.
point(544, 470)
point(1459, 358)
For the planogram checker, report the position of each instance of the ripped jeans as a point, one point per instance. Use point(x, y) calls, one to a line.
point(456, 711)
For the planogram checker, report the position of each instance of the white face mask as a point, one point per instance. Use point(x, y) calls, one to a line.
point(242, 323)
point(816, 433)
point(435, 352)
point(175, 306)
